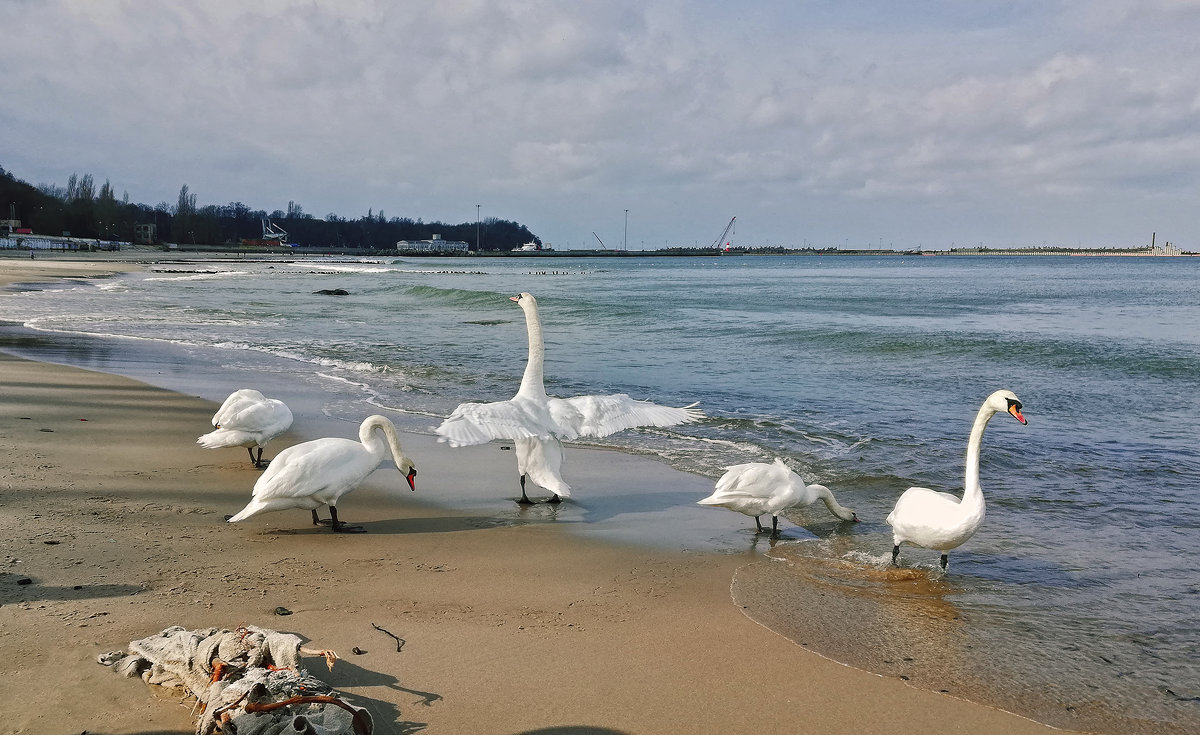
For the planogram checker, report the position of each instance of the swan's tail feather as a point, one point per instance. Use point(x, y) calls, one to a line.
point(222, 438)
point(251, 508)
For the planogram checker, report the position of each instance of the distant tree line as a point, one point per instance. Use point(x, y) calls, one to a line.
point(82, 210)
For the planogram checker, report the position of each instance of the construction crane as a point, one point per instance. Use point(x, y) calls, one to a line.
point(725, 234)
point(272, 231)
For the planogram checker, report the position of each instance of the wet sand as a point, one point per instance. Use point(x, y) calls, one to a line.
point(115, 518)
point(905, 622)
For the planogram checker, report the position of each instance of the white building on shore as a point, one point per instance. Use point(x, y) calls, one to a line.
point(434, 245)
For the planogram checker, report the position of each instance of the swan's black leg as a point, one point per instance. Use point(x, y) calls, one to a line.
point(524, 498)
point(758, 525)
point(945, 561)
point(250, 451)
point(895, 553)
point(258, 460)
point(318, 521)
point(339, 527)
point(774, 526)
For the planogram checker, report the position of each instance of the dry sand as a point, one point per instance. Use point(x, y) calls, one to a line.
point(115, 517)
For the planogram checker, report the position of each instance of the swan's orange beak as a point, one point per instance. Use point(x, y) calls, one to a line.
point(412, 472)
point(1015, 410)
point(514, 298)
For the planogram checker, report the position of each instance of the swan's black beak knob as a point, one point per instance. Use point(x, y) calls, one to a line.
point(1015, 410)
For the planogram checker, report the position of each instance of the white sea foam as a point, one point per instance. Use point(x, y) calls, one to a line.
point(199, 276)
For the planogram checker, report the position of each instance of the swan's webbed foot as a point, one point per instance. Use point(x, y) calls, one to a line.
point(895, 553)
point(945, 561)
point(554, 499)
point(339, 527)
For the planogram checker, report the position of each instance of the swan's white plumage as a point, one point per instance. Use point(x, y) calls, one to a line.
point(248, 419)
point(759, 488)
point(538, 423)
point(942, 521)
point(562, 418)
point(321, 471)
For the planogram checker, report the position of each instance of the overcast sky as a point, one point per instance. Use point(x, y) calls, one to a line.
point(863, 123)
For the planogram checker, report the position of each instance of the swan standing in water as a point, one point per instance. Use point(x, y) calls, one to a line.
point(934, 520)
point(247, 419)
point(319, 472)
point(537, 423)
point(757, 488)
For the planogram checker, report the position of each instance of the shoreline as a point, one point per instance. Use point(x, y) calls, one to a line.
point(511, 625)
point(145, 254)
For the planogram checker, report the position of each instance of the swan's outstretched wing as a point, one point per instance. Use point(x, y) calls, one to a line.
point(479, 423)
point(604, 415)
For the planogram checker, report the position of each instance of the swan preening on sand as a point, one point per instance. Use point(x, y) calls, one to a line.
point(934, 520)
point(247, 419)
point(537, 423)
point(757, 488)
point(319, 472)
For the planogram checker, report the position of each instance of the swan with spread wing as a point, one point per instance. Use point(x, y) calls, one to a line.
point(537, 423)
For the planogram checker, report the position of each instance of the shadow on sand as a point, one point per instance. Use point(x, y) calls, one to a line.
point(387, 716)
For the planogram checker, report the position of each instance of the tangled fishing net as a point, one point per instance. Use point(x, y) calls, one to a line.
point(247, 681)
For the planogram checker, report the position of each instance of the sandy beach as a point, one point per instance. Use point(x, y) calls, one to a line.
point(115, 517)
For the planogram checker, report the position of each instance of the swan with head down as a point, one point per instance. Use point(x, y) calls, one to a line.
point(247, 419)
point(321, 471)
point(537, 423)
point(757, 488)
point(936, 520)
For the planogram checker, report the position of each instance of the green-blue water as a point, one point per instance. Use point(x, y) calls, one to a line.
point(863, 373)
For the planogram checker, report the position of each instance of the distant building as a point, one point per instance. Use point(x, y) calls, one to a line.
point(145, 234)
point(434, 245)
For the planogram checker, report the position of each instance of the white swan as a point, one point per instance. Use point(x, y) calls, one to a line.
point(319, 472)
point(934, 520)
point(537, 423)
point(247, 419)
point(757, 488)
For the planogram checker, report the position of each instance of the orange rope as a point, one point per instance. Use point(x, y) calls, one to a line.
point(361, 726)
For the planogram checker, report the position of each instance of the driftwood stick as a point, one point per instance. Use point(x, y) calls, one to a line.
point(399, 640)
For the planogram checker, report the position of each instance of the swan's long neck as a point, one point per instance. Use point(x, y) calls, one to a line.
point(972, 493)
point(827, 497)
point(366, 435)
point(532, 383)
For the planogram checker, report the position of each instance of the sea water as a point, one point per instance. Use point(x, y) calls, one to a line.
point(1077, 602)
